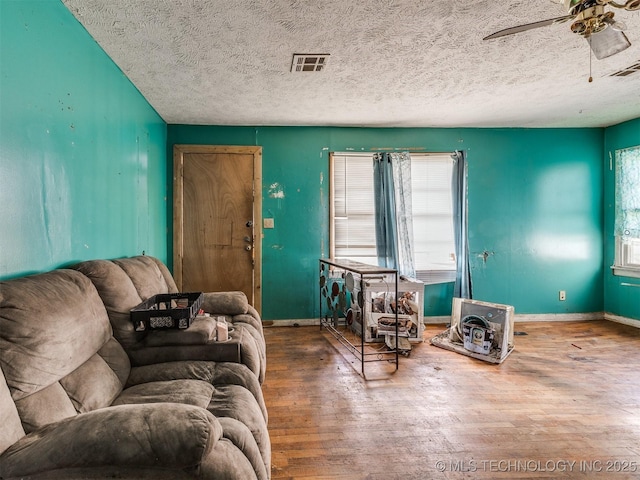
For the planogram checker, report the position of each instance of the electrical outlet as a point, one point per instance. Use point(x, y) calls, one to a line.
point(268, 223)
point(562, 295)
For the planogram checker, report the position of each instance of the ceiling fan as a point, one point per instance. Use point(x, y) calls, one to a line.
point(590, 19)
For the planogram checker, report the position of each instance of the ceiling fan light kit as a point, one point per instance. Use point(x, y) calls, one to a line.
point(591, 20)
point(608, 42)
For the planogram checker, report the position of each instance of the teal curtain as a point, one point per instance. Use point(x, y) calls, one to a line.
point(393, 211)
point(385, 211)
point(463, 286)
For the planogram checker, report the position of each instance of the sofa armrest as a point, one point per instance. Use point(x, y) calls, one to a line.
point(164, 435)
point(225, 303)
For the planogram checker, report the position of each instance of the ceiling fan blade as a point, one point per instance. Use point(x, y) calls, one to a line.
point(608, 42)
point(528, 26)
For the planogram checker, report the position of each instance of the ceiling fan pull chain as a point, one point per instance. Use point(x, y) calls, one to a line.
point(590, 59)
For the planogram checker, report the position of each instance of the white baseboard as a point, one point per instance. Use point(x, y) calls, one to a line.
point(446, 319)
point(558, 317)
point(296, 322)
point(624, 320)
point(533, 317)
point(437, 320)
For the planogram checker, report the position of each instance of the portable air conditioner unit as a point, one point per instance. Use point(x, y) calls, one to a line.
point(483, 329)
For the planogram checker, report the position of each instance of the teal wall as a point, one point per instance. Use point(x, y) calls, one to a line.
point(84, 173)
point(82, 154)
point(619, 299)
point(535, 210)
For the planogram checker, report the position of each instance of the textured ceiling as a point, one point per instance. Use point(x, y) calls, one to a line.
point(393, 63)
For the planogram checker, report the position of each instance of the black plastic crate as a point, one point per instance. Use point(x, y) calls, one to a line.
point(167, 310)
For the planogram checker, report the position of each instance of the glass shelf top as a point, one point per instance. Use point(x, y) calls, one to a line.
point(357, 267)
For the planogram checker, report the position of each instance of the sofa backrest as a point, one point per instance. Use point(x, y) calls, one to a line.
point(148, 274)
point(125, 283)
point(57, 350)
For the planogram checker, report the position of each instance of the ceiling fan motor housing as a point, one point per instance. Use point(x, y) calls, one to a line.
point(592, 20)
point(573, 7)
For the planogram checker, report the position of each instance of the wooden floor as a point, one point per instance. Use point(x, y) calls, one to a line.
point(564, 404)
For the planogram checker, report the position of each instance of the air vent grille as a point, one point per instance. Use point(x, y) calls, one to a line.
point(309, 62)
point(627, 71)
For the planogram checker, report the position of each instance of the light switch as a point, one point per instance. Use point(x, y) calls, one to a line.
point(268, 223)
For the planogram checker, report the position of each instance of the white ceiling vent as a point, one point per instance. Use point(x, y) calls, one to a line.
point(309, 62)
point(627, 71)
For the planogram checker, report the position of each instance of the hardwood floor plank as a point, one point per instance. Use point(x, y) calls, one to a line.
point(564, 404)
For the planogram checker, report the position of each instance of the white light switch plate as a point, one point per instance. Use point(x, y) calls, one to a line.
point(268, 223)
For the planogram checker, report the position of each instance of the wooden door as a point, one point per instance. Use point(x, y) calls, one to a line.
point(217, 230)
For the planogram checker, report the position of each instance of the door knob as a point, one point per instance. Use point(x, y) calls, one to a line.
point(248, 248)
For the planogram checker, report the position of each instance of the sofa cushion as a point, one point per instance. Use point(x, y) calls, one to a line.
point(117, 359)
point(236, 402)
point(92, 385)
point(11, 430)
point(118, 294)
point(49, 405)
point(189, 392)
point(145, 275)
point(171, 283)
point(240, 435)
point(215, 373)
point(158, 436)
point(50, 324)
point(221, 399)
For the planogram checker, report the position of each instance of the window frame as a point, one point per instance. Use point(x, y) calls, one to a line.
point(431, 276)
point(623, 265)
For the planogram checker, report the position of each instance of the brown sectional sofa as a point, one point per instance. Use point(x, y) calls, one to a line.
point(74, 405)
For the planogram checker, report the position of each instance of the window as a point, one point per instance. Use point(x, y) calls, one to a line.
point(353, 211)
point(627, 207)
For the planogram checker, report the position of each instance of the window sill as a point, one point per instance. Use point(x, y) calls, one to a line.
point(433, 277)
point(623, 271)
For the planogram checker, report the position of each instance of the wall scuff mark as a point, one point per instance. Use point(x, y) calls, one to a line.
point(276, 190)
point(484, 255)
